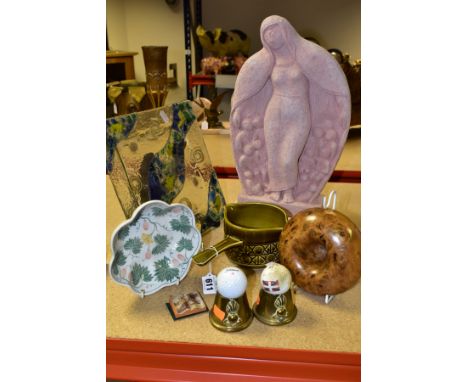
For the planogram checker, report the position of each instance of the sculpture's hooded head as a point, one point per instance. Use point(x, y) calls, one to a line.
point(276, 31)
point(316, 63)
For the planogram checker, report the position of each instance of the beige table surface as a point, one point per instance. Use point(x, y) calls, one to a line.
point(333, 327)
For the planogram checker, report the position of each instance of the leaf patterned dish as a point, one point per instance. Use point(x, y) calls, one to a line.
point(154, 248)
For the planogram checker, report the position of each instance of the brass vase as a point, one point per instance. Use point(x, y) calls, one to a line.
point(155, 58)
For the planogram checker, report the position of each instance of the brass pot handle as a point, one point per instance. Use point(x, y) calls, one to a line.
point(205, 256)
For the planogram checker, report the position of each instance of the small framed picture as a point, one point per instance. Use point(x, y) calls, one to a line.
point(186, 305)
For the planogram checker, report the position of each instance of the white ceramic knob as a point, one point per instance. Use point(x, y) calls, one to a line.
point(231, 282)
point(275, 279)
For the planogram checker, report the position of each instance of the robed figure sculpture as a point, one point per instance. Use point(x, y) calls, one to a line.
point(290, 115)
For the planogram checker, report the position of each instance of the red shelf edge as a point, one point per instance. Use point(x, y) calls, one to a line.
point(144, 360)
point(338, 176)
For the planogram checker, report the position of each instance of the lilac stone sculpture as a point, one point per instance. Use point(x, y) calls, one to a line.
point(290, 116)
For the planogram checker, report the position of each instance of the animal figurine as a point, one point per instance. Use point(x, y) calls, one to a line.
point(211, 111)
point(222, 43)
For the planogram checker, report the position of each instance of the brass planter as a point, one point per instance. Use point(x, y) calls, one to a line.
point(252, 232)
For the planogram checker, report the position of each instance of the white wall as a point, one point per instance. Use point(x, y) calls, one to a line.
point(134, 23)
point(335, 23)
point(148, 22)
point(116, 25)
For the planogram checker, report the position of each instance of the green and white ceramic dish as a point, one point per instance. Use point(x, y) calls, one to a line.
point(154, 248)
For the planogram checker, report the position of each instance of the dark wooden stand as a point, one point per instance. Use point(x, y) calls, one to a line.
point(116, 59)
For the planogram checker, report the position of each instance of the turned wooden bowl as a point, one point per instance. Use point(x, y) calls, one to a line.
point(322, 249)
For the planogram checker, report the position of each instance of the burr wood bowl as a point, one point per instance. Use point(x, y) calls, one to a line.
point(322, 249)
